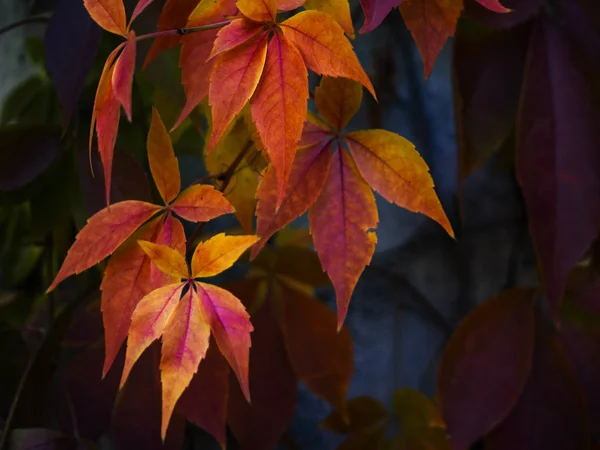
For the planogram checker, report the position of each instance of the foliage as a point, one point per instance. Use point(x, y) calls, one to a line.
point(234, 346)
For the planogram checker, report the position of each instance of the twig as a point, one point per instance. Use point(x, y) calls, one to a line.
point(183, 31)
point(28, 20)
point(226, 178)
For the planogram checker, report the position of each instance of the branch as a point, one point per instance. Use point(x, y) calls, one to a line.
point(28, 20)
point(226, 178)
point(183, 31)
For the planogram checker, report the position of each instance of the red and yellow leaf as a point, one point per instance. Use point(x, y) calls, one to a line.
point(168, 260)
point(279, 106)
point(338, 9)
point(126, 281)
point(321, 357)
point(148, 322)
point(431, 22)
point(109, 14)
point(231, 327)
point(307, 179)
point(195, 50)
point(219, 253)
point(174, 15)
point(103, 233)
point(122, 78)
point(289, 5)
point(185, 341)
point(324, 48)
point(201, 203)
point(163, 163)
point(493, 5)
point(237, 33)
point(375, 11)
point(258, 10)
point(233, 80)
point(171, 235)
point(393, 167)
point(338, 100)
point(340, 221)
point(314, 132)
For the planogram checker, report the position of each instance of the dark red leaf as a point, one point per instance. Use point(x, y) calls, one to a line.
point(522, 11)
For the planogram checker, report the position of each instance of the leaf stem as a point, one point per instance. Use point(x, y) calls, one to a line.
point(26, 21)
point(226, 179)
point(183, 31)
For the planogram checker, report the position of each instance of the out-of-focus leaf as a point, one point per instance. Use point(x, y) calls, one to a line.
point(71, 43)
point(27, 258)
point(41, 439)
point(363, 412)
point(28, 102)
point(521, 11)
point(25, 152)
point(493, 345)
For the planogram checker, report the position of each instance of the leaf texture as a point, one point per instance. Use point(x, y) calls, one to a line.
point(201, 203)
point(258, 11)
point(162, 160)
point(338, 100)
point(340, 221)
point(169, 260)
point(237, 33)
point(338, 9)
point(109, 14)
point(219, 253)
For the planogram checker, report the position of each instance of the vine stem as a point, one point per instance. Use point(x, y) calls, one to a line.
point(28, 20)
point(226, 178)
point(183, 31)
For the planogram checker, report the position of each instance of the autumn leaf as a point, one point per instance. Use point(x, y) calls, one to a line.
point(122, 78)
point(103, 233)
point(237, 33)
point(201, 203)
point(261, 11)
point(375, 11)
point(171, 235)
point(219, 253)
point(140, 6)
point(279, 105)
point(109, 14)
point(431, 23)
point(163, 163)
point(338, 100)
point(323, 46)
point(338, 9)
point(168, 260)
point(493, 5)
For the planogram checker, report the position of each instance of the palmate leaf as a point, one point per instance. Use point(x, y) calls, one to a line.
point(342, 210)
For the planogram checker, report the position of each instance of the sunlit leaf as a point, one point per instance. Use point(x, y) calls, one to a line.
point(201, 203)
point(109, 14)
point(219, 253)
point(169, 260)
point(163, 163)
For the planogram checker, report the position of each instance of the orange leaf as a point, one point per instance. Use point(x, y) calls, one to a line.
point(168, 260)
point(340, 221)
point(324, 48)
point(493, 5)
point(338, 9)
point(219, 253)
point(171, 235)
point(195, 50)
point(431, 22)
point(231, 327)
point(307, 179)
point(201, 203)
point(103, 233)
point(320, 356)
point(122, 78)
point(125, 282)
point(238, 32)
point(148, 322)
point(279, 106)
point(289, 5)
point(174, 15)
point(109, 14)
point(393, 167)
point(185, 341)
point(163, 163)
point(233, 80)
point(258, 10)
point(337, 100)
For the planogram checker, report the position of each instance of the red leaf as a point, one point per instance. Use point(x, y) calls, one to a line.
point(485, 366)
point(313, 133)
point(233, 80)
point(550, 414)
point(273, 385)
point(431, 22)
point(557, 158)
point(493, 5)
point(520, 12)
point(139, 8)
point(321, 357)
point(109, 14)
point(340, 221)
point(237, 33)
point(201, 203)
point(163, 162)
point(394, 168)
point(375, 11)
point(204, 402)
point(307, 179)
point(103, 233)
point(185, 342)
point(324, 48)
point(279, 106)
point(171, 235)
point(231, 327)
point(126, 281)
point(122, 78)
point(174, 15)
